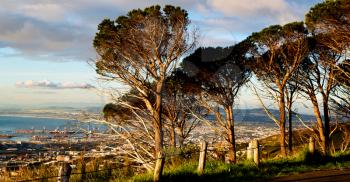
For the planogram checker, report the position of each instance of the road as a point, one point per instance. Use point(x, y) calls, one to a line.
point(342, 175)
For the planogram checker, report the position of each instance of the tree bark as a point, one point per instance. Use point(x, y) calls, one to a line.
point(158, 132)
point(282, 124)
point(157, 120)
point(231, 134)
point(318, 116)
point(158, 170)
point(283, 140)
point(326, 124)
point(290, 127)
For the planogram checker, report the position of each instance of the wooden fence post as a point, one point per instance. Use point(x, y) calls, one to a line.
point(83, 169)
point(250, 152)
point(202, 157)
point(159, 167)
point(312, 146)
point(64, 172)
point(255, 145)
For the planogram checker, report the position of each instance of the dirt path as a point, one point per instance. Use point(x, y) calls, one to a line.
point(318, 176)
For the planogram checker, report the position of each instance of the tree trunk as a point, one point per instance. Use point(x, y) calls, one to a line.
point(283, 139)
point(318, 116)
point(290, 127)
point(326, 124)
point(158, 170)
point(158, 132)
point(157, 120)
point(282, 124)
point(158, 135)
point(231, 134)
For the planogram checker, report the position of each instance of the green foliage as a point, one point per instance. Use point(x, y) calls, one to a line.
point(275, 35)
point(327, 10)
point(208, 61)
point(128, 45)
point(109, 30)
point(275, 49)
point(266, 35)
point(218, 71)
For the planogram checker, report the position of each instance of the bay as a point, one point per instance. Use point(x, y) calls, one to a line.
point(9, 125)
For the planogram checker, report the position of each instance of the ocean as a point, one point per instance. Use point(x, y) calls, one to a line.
point(9, 125)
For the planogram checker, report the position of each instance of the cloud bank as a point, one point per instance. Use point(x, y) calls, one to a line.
point(52, 85)
point(64, 30)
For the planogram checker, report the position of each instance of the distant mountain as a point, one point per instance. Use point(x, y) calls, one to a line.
point(91, 109)
point(259, 115)
point(51, 111)
point(94, 109)
point(244, 115)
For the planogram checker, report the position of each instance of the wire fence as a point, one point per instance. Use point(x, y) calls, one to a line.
point(88, 172)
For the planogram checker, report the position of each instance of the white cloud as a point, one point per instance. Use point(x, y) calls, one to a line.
point(52, 85)
point(272, 9)
point(43, 11)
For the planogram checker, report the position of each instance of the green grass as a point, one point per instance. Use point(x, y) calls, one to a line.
point(248, 171)
point(184, 168)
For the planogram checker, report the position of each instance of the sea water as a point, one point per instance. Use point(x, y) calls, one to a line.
point(9, 125)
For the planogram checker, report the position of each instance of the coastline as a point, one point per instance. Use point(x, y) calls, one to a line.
point(38, 116)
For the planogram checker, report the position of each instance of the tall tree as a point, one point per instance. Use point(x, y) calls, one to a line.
point(220, 73)
point(329, 22)
point(317, 82)
point(144, 47)
point(278, 52)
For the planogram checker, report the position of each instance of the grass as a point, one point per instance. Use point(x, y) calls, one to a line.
point(184, 168)
point(248, 171)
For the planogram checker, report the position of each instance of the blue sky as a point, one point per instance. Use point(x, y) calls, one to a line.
point(45, 44)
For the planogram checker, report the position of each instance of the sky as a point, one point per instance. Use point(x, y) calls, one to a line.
point(46, 45)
